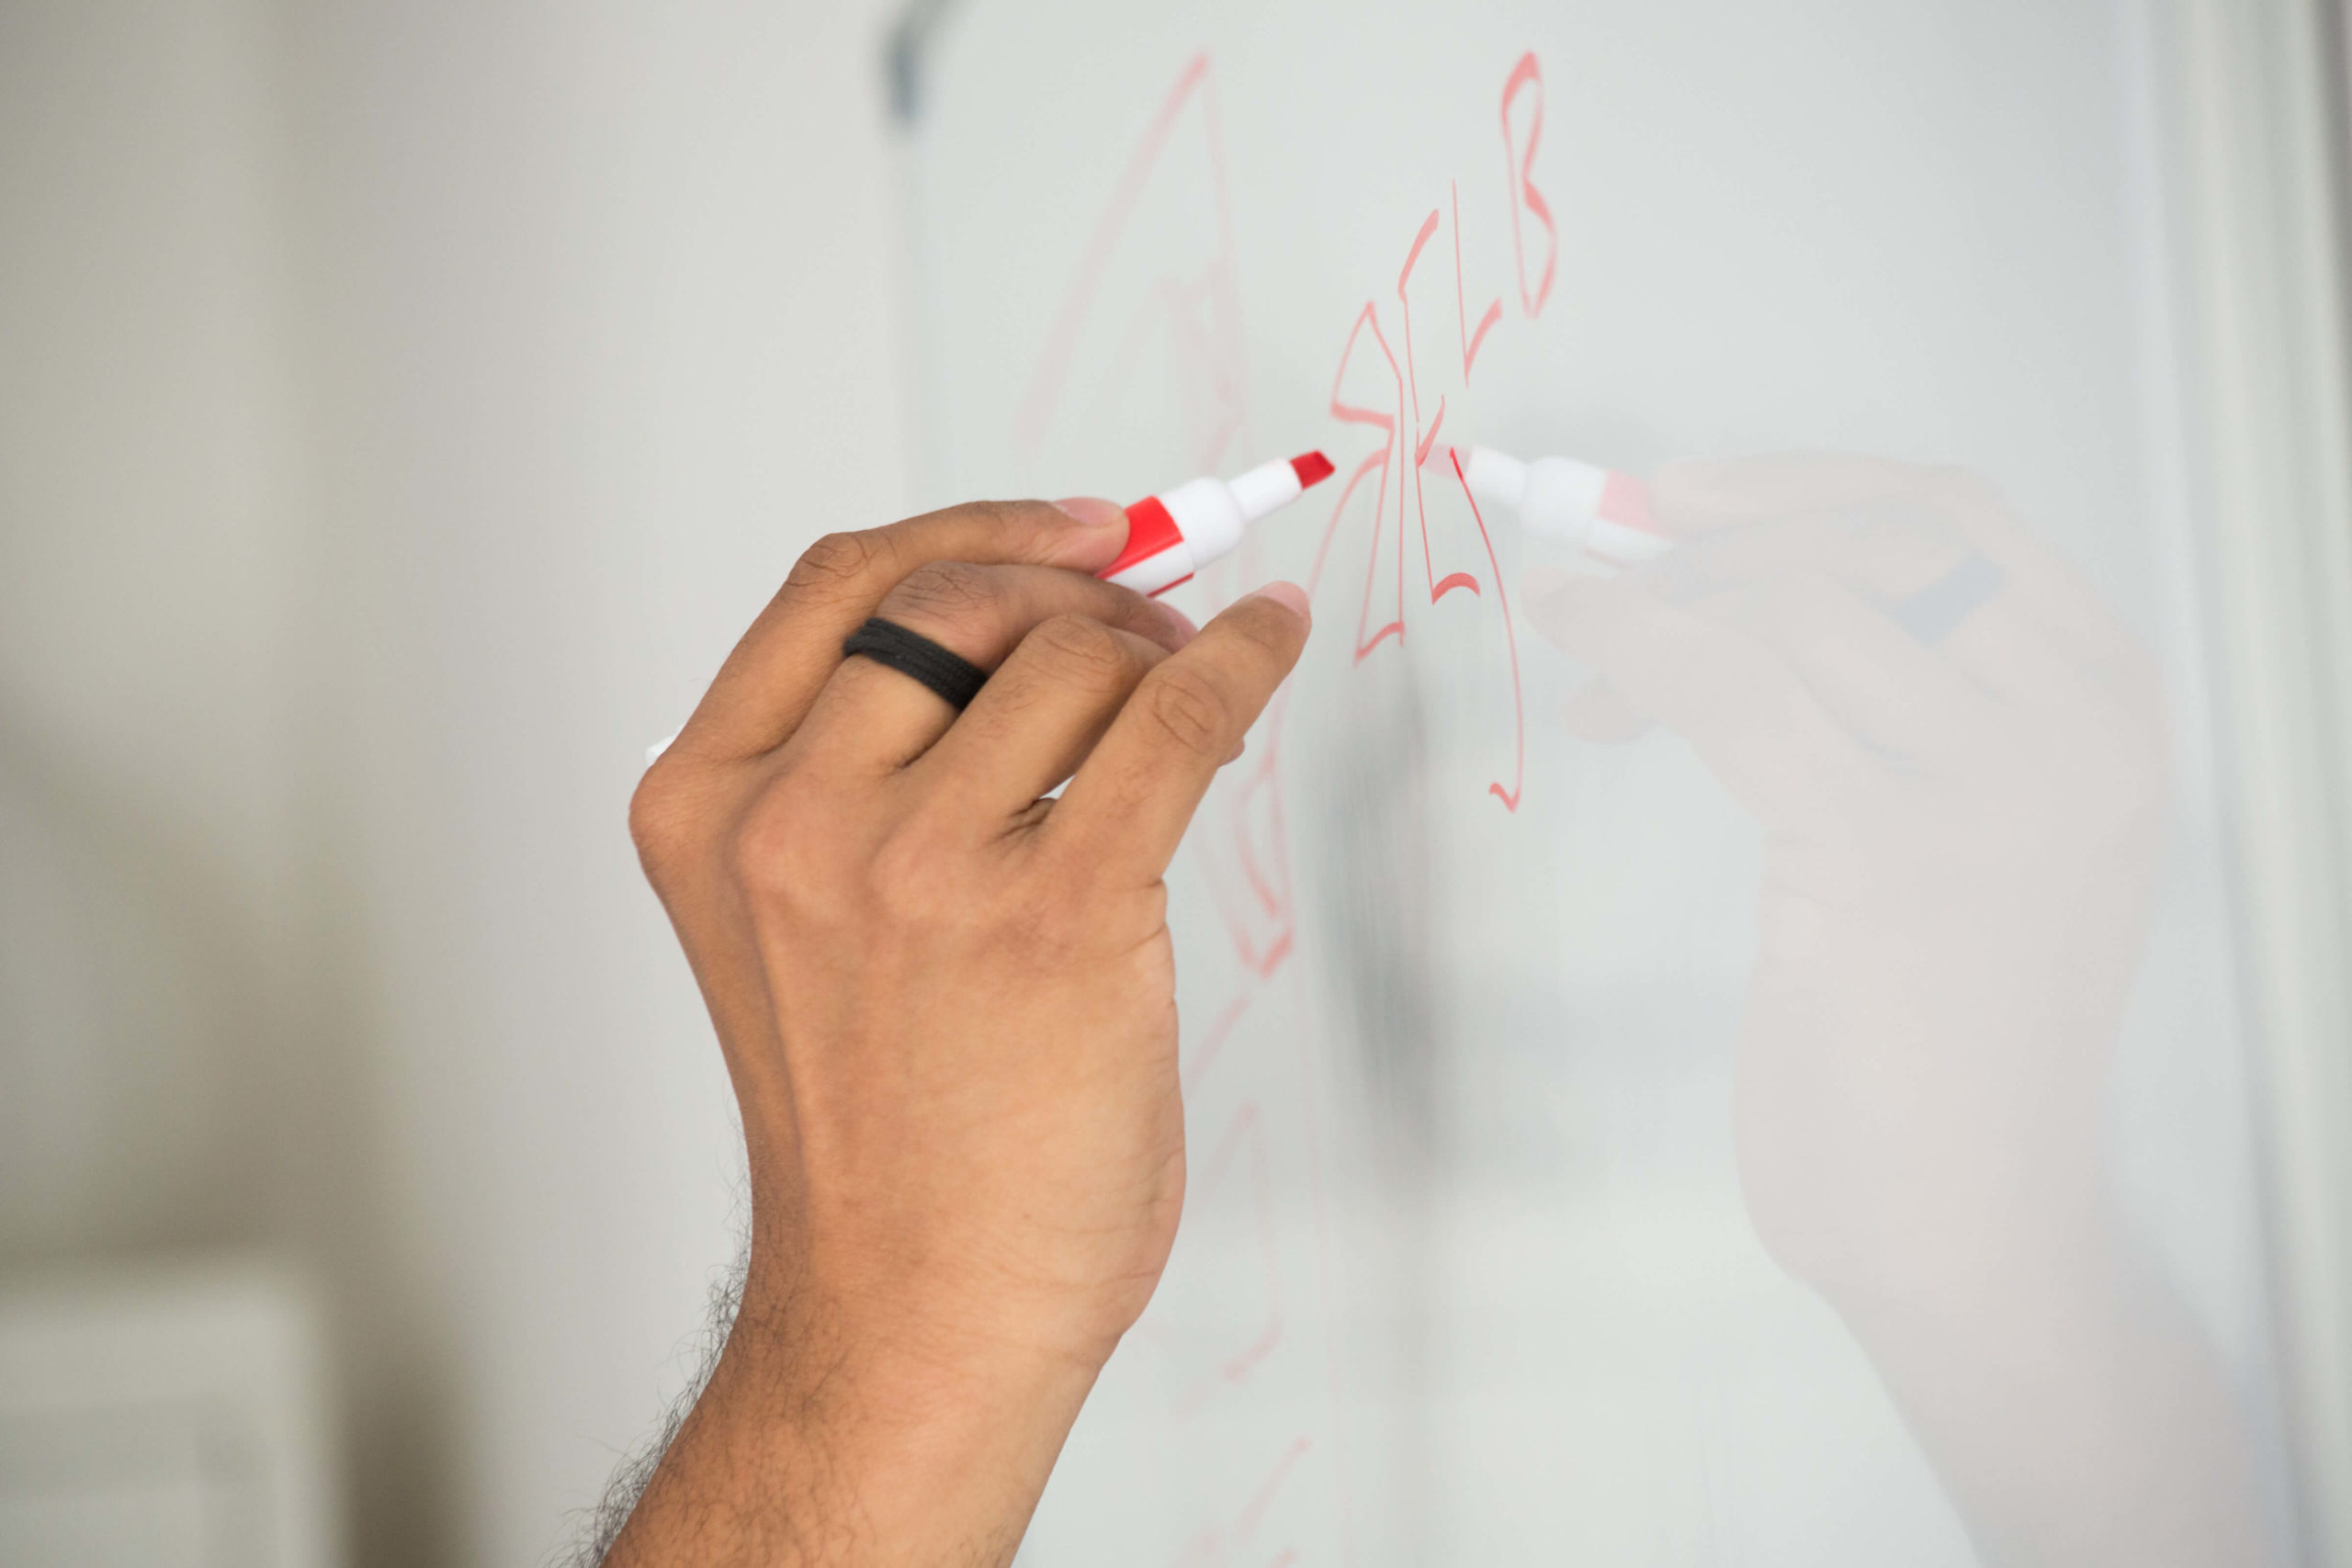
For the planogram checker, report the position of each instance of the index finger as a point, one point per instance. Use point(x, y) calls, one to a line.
point(1126, 810)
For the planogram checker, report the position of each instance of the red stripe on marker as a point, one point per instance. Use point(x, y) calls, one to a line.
point(1149, 530)
point(1177, 531)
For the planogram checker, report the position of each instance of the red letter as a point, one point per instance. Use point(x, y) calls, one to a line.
point(1461, 315)
point(1527, 73)
point(1351, 413)
point(1423, 439)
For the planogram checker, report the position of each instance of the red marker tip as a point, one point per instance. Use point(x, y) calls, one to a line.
point(1312, 468)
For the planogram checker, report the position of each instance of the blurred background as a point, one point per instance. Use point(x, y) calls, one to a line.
point(402, 407)
point(385, 390)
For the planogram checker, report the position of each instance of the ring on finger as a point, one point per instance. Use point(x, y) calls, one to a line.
point(956, 679)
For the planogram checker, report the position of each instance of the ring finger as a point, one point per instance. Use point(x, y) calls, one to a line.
point(873, 719)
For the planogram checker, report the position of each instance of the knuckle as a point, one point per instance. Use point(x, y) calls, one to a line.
point(1191, 711)
point(1268, 631)
point(1085, 649)
point(1049, 935)
point(779, 851)
point(914, 876)
point(1000, 514)
point(835, 562)
point(1046, 913)
point(940, 590)
point(665, 820)
point(1007, 521)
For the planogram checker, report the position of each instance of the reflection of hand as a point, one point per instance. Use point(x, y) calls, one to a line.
point(1959, 847)
point(1962, 831)
point(947, 1007)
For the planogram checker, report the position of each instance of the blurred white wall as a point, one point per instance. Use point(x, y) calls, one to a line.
point(402, 407)
point(151, 546)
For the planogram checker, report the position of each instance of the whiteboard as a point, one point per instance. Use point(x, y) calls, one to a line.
point(1467, 1272)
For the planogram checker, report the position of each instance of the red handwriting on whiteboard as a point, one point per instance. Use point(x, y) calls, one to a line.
point(1240, 845)
point(1189, 301)
point(1408, 425)
point(1194, 301)
point(1527, 78)
point(1393, 391)
point(1132, 298)
point(1378, 462)
point(1425, 434)
point(1470, 341)
point(1395, 405)
point(1511, 640)
point(1236, 1178)
point(1219, 1544)
point(1373, 390)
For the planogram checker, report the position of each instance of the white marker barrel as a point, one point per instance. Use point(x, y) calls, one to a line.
point(1174, 534)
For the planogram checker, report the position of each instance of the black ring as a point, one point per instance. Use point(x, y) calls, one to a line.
point(956, 678)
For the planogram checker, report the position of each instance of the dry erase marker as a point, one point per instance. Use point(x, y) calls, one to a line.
point(1174, 534)
point(1604, 513)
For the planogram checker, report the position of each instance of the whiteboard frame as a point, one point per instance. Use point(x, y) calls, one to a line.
point(2263, 145)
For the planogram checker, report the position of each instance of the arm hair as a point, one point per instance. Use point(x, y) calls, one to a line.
point(601, 1526)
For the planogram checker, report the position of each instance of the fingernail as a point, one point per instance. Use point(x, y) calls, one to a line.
point(1290, 596)
point(1235, 755)
point(1091, 511)
point(1183, 622)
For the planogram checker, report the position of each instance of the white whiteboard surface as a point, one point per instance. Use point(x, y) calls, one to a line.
point(1467, 1271)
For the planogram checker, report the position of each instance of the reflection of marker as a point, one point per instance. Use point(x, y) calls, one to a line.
point(1173, 534)
point(1601, 512)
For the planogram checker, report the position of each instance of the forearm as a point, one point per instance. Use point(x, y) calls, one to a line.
point(803, 1451)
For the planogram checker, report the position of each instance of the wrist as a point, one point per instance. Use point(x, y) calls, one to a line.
point(814, 1444)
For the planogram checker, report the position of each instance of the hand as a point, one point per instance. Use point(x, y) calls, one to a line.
point(947, 1007)
point(1962, 834)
